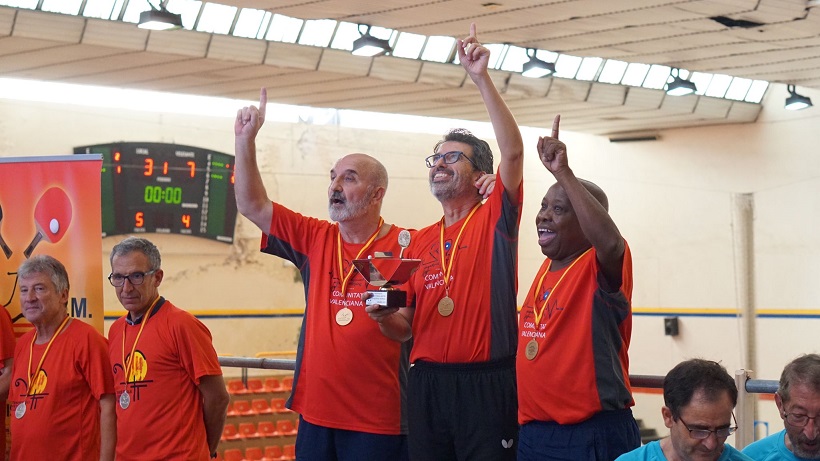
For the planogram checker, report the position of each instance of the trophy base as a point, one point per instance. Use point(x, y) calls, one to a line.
point(387, 298)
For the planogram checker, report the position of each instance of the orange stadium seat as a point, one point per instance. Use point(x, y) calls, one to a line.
point(233, 454)
point(229, 432)
point(273, 453)
point(273, 385)
point(285, 427)
point(243, 408)
point(267, 429)
point(248, 431)
point(287, 383)
point(289, 452)
point(255, 385)
point(253, 454)
point(278, 405)
point(261, 407)
point(236, 387)
point(231, 410)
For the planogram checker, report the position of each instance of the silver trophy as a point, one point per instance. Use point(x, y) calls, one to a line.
point(384, 271)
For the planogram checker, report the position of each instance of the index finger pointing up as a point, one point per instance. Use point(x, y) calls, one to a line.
point(472, 30)
point(263, 102)
point(555, 126)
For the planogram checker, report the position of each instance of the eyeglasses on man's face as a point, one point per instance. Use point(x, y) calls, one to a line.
point(701, 434)
point(800, 420)
point(135, 278)
point(449, 158)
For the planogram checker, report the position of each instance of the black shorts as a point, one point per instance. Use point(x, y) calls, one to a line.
point(463, 412)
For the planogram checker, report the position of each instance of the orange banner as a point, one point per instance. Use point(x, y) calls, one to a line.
point(51, 205)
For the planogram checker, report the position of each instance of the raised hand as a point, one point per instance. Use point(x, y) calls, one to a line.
point(474, 57)
point(485, 184)
point(250, 119)
point(553, 153)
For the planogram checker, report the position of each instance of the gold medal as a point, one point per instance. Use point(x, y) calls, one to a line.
point(20, 411)
point(344, 316)
point(531, 350)
point(125, 400)
point(446, 306)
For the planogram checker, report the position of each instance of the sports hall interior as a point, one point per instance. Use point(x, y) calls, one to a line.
point(719, 199)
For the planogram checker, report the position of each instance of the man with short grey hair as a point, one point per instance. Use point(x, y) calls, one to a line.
point(798, 402)
point(171, 398)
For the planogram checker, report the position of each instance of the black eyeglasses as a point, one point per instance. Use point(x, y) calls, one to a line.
point(700, 434)
point(798, 420)
point(449, 158)
point(136, 278)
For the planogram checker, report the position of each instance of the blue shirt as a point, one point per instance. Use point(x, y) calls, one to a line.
point(652, 452)
point(771, 448)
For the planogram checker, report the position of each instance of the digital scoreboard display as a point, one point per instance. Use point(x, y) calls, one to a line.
point(166, 188)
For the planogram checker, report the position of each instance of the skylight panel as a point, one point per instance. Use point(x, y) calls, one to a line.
point(216, 18)
point(657, 77)
point(28, 4)
point(701, 80)
point(757, 91)
point(589, 69)
point(188, 9)
point(438, 48)
point(613, 71)
point(317, 32)
point(102, 9)
point(71, 7)
point(635, 74)
point(248, 23)
point(409, 45)
point(284, 29)
point(567, 65)
point(133, 10)
point(719, 85)
point(514, 59)
point(346, 33)
point(738, 88)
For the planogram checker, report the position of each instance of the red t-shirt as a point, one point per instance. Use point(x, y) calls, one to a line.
point(7, 341)
point(348, 377)
point(483, 284)
point(164, 419)
point(64, 416)
point(582, 366)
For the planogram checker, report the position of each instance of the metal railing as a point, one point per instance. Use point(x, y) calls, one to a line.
point(744, 411)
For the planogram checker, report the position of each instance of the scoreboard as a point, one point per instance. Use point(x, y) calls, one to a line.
point(166, 188)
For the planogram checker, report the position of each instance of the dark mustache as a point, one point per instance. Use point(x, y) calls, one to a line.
point(336, 195)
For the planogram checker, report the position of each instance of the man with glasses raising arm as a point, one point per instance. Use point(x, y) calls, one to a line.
point(798, 402)
point(171, 398)
point(699, 396)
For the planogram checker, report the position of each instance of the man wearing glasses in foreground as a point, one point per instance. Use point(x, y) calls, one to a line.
point(699, 396)
point(798, 402)
point(171, 398)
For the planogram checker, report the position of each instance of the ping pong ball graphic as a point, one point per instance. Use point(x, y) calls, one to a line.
point(52, 215)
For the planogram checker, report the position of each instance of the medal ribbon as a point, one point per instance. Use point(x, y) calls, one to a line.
point(130, 360)
point(535, 312)
point(449, 268)
point(340, 259)
point(45, 353)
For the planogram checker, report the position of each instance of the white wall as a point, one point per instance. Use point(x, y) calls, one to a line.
point(671, 198)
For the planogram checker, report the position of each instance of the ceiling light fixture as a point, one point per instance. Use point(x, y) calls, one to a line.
point(796, 101)
point(368, 45)
point(159, 18)
point(679, 86)
point(536, 68)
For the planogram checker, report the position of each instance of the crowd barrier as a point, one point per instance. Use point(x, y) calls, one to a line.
point(744, 411)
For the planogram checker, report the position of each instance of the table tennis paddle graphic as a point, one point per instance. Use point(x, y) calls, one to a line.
point(52, 215)
point(3, 245)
